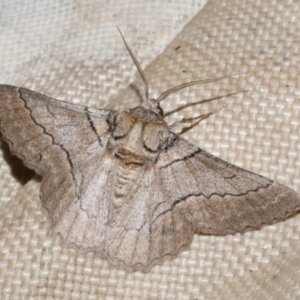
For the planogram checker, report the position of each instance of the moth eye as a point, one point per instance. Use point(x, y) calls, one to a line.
point(159, 111)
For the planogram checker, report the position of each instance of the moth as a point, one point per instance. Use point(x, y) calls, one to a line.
point(125, 185)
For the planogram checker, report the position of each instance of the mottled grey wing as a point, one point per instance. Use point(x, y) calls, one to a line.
point(215, 197)
point(57, 140)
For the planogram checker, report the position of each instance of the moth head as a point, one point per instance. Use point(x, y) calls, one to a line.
point(154, 106)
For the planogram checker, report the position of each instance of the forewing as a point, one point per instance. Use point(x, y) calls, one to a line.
point(216, 197)
point(55, 139)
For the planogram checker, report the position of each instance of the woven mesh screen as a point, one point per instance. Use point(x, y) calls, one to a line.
point(71, 50)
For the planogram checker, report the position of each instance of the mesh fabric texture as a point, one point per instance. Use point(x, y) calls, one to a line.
point(70, 50)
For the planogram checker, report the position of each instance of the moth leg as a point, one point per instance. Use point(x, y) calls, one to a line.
point(179, 126)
